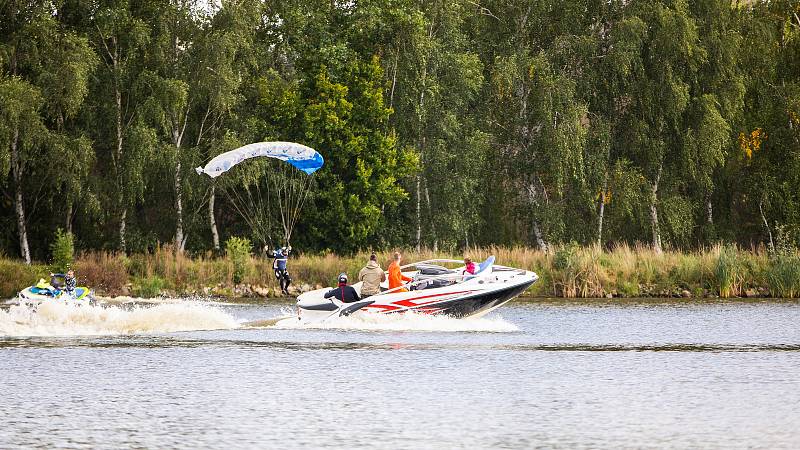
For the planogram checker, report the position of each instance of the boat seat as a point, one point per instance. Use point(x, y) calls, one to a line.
point(485, 265)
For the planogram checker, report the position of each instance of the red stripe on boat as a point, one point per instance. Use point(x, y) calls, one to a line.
point(410, 301)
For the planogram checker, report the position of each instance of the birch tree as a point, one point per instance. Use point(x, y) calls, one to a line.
point(119, 38)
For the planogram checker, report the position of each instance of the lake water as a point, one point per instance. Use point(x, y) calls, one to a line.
point(554, 374)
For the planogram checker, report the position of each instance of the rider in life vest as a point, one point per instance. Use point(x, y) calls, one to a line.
point(396, 276)
point(68, 285)
point(281, 256)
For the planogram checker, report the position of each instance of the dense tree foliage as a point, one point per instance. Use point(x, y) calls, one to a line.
point(443, 123)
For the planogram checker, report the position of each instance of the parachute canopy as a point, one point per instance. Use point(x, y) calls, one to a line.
point(304, 158)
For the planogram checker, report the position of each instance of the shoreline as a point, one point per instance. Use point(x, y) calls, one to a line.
point(566, 272)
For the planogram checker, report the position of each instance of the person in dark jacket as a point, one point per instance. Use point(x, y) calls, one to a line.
point(344, 292)
point(280, 257)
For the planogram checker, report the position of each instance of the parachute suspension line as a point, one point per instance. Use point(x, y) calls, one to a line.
point(299, 205)
point(259, 213)
point(251, 210)
point(292, 191)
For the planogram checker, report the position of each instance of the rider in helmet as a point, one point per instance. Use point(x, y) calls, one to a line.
point(344, 292)
point(280, 256)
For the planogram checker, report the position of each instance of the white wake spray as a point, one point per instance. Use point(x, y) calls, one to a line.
point(59, 319)
point(409, 321)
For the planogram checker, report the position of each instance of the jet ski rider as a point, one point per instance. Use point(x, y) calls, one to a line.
point(69, 283)
point(344, 293)
point(281, 256)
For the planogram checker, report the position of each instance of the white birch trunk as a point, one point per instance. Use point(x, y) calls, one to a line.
point(537, 234)
point(602, 211)
point(654, 212)
point(211, 220)
point(122, 223)
point(179, 242)
point(533, 198)
point(419, 213)
point(117, 161)
point(766, 225)
point(16, 167)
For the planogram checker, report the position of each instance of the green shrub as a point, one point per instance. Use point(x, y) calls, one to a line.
point(565, 271)
point(238, 250)
point(729, 272)
point(16, 276)
point(63, 249)
point(148, 287)
point(783, 275)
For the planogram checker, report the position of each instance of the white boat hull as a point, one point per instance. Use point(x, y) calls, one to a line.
point(473, 297)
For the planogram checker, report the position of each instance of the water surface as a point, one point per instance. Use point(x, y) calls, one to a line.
point(632, 374)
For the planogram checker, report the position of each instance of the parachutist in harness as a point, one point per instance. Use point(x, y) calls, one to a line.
point(280, 257)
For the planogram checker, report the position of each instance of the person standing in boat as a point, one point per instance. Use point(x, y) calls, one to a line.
point(345, 293)
point(371, 277)
point(396, 276)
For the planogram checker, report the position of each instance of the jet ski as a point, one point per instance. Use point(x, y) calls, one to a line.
point(45, 292)
point(434, 289)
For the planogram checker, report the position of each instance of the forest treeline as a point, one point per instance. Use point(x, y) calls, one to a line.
point(443, 123)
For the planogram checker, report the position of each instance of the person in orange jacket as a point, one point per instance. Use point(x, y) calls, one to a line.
point(396, 277)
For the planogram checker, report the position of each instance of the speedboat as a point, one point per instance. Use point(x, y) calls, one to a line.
point(434, 289)
point(45, 292)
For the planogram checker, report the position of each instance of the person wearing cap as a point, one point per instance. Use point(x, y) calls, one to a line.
point(371, 277)
point(469, 266)
point(396, 276)
point(344, 293)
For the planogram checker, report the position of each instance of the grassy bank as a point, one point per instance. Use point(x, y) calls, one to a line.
point(569, 271)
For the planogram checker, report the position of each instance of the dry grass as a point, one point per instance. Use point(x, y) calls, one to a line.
point(102, 271)
point(567, 271)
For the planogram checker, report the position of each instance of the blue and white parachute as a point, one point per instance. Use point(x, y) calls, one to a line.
point(269, 197)
point(304, 158)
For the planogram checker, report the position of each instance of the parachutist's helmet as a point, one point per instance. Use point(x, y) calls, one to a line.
point(342, 277)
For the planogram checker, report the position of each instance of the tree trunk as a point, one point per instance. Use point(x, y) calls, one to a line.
point(419, 213)
point(211, 221)
point(533, 198)
point(602, 211)
point(766, 224)
point(654, 212)
point(117, 161)
point(122, 218)
point(179, 242)
point(709, 210)
point(69, 215)
point(16, 167)
point(537, 234)
point(177, 137)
